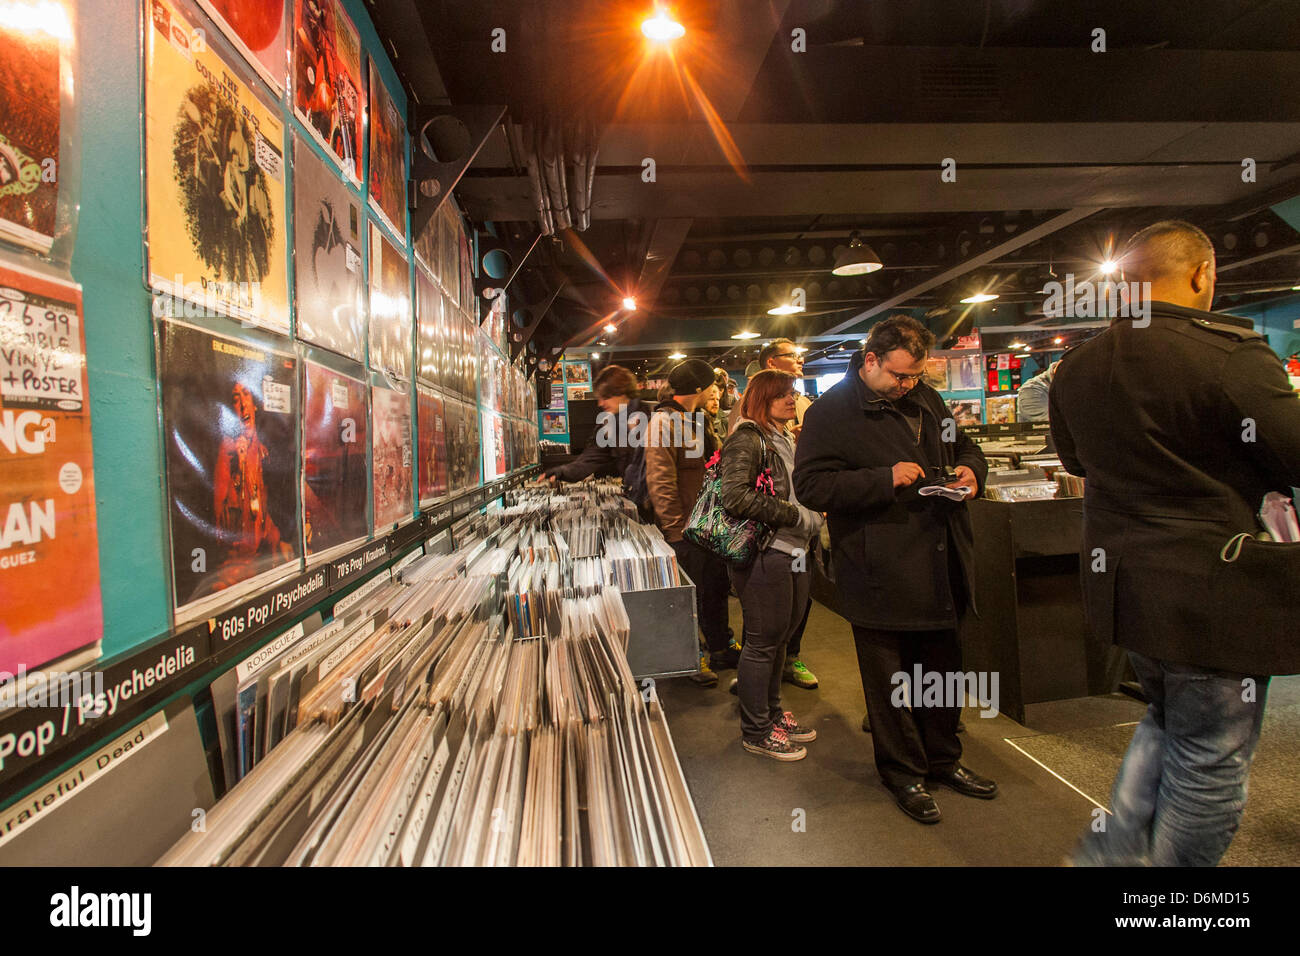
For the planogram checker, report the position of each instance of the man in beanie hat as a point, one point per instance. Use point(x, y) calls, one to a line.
point(679, 443)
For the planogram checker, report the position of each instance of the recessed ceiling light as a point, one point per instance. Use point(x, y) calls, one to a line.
point(1016, 345)
point(595, 355)
point(629, 303)
point(1058, 340)
point(678, 355)
point(745, 335)
point(611, 328)
point(801, 349)
point(1108, 266)
point(785, 310)
point(979, 297)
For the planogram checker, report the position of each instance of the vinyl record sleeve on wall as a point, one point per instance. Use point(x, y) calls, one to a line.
point(432, 423)
point(229, 413)
point(391, 423)
point(428, 319)
point(387, 157)
point(256, 29)
point(390, 308)
point(327, 92)
point(49, 543)
point(214, 167)
point(36, 71)
point(335, 455)
point(328, 278)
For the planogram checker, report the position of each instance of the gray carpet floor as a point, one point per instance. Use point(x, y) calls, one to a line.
point(831, 810)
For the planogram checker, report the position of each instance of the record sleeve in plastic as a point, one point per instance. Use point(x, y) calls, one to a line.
point(328, 96)
point(335, 454)
point(256, 29)
point(214, 171)
point(432, 446)
point(37, 173)
point(428, 318)
point(229, 415)
point(390, 308)
point(391, 421)
point(49, 543)
point(387, 157)
point(328, 277)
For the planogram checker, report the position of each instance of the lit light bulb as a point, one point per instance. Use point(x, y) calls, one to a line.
point(611, 328)
point(629, 303)
point(979, 297)
point(661, 28)
point(1108, 266)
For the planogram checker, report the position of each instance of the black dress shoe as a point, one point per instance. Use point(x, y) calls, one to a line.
point(916, 802)
point(965, 781)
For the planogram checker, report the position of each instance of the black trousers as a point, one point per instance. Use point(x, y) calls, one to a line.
point(796, 639)
point(712, 587)
point(771, 594)
point(909, 741)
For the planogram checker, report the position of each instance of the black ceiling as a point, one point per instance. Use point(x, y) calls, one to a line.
point(1060, 151)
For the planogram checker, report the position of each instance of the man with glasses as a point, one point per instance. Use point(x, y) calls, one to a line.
point(902, 561)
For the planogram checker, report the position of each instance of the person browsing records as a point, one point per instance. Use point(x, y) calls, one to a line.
point(773, 590)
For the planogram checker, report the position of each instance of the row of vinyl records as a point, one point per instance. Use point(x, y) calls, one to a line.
point(419, 728)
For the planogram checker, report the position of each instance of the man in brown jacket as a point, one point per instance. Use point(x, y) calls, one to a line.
point(680, 442)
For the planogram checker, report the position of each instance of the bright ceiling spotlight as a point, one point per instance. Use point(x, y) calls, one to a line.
point(595, 355)
point(1108, 267)
point(1058, 340)
point(745, 335)
point(629, 303)
point(1017, 345)
point(677, 356)
point(979, 297)
point(801, 349)
point(786, 309)
point(858, 259)
point(611, 328)
point(661, 28)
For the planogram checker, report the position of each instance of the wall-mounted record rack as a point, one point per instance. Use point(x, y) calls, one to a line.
point(46, 737)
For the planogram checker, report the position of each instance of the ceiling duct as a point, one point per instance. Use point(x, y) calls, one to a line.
point(561, 164)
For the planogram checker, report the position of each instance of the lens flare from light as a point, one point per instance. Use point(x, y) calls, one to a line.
point(979, 297)
point(611, 328)
point(677, 356)
point(661, 28)
point(629, 303)
point(745, 335)
point(1108, 267)
point(785, 310)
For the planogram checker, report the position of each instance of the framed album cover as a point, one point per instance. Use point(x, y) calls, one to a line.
point(335, 456)
point(326, 77)
point(390, 308)
point(391, 424)
point(387, 157)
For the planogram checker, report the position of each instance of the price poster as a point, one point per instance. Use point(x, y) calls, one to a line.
point(327, 257)
point(391, 420)
point(214, 166)
point(335, 453)
point(327, 93)
point(256, 29)
point(49, 545)
point(433, 447)
point(230, 409)
point(387, 156)
point(390, 307)
point(29, 125)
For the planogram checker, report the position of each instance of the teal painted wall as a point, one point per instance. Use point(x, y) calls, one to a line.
point(1276, 321)
point(108, 260)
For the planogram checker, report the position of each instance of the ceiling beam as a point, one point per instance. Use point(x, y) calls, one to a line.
point(1057, 222)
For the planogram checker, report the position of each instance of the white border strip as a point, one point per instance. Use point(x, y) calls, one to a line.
point(1055, 774)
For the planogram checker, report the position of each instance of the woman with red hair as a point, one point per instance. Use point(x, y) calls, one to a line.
point(756, 465)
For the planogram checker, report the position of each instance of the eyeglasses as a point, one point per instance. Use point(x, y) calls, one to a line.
point(790, 355)
point(903, 379)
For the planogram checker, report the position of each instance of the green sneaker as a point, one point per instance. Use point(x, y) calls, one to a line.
point(706, 677)
point(799, 675)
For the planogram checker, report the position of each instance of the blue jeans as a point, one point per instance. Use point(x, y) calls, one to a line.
point(1181, 790)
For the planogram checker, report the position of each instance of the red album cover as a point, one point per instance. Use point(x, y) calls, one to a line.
point(335, 443)
point(29, 126)
point(387, 156)
point(230, 409)
point(256, 29)
point(433, 448)
point(327, 92)
point(49, 545)
point(391, 421)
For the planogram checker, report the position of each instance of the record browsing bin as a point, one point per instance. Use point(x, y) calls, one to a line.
point(662, 641)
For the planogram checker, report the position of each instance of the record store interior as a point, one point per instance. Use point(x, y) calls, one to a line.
point(649, 433)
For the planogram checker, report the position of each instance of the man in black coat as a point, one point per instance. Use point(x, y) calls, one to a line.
point(1181, 421)
point(618, 448)
point(902, 561)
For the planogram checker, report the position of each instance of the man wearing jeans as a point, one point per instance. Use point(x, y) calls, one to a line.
point(1182, 421)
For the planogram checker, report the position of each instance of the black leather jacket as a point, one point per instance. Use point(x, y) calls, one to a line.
point(742, 456)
